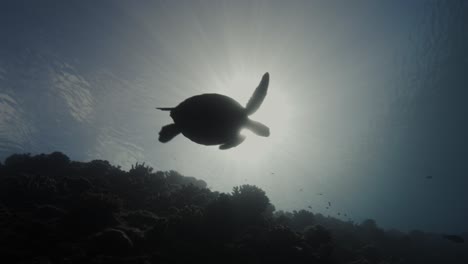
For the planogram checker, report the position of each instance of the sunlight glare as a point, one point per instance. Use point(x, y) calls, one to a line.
point(275, 112)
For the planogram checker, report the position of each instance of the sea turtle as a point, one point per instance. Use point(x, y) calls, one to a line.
point(215, 119)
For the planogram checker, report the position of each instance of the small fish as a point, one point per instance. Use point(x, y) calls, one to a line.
point(329, 204)
point(310, 207)
point(429, 177)
point(300, 189)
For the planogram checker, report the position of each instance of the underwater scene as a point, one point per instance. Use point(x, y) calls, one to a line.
point(250, 131)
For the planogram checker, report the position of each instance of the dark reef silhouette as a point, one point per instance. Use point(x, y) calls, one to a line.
point(214, 119)
point(454, 238)
point(53, 210)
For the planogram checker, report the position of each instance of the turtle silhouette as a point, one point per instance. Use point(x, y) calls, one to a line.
point(215, 119)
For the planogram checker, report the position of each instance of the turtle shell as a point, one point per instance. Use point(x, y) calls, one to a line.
point(209, 119)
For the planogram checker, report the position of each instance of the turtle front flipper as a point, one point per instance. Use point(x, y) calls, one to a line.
point(233, 143)
point(258, 96)
point(168, 132)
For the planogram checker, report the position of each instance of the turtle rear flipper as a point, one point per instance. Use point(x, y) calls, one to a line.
point(168, 132)
point(165, 108)
point(233, 143)
point(259, 94)
point(258, 128)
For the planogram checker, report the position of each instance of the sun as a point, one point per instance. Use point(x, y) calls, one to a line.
point(275, 112)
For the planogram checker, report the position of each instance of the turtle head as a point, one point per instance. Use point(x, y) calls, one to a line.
point(257, 128)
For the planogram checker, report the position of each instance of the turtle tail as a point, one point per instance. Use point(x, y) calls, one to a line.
point(165, 108)
point(258, 128)
point(168, 132)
